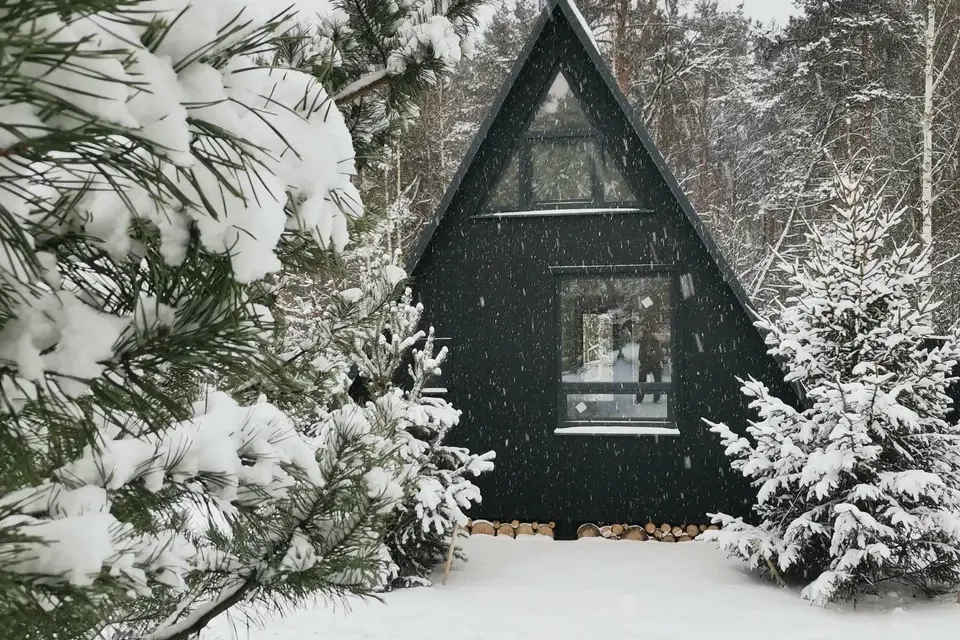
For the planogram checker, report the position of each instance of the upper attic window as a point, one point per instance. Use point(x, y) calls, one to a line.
point(560, 161)
point(560, 109)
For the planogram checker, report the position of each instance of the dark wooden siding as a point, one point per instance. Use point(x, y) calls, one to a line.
point(487, 285)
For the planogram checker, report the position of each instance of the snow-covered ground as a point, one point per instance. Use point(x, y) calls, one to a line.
point(533, 587)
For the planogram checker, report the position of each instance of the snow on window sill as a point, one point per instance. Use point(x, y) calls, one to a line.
point(617, 430)
point(541, 213)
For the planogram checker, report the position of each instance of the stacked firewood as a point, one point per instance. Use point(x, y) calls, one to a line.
point(664, 532)
point(510, 529)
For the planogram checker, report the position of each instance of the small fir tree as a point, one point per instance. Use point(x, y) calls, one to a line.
point(437, 487)
point(862, 486)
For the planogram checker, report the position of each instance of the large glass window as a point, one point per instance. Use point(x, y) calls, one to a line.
point(560, 161)
point(561, 170)
point(615, 353)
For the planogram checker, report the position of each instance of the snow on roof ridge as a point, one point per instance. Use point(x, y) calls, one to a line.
point(575, 11)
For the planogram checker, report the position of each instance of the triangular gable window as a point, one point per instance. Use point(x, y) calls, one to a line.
point(560, 161)
point(560, 109)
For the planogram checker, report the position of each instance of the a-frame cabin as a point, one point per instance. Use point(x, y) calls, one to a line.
point(592, 321)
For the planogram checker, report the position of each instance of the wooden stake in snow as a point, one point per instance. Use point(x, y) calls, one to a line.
point(449, 563)
point(776, 574)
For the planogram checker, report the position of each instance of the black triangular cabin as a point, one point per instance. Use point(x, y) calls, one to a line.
point(591, 319)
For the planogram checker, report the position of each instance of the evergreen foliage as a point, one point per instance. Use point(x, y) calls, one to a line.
point(439, 488)
point(861, 486)
point(378, 58)
point(166, 456)
point(395, 358)
point(429, 150)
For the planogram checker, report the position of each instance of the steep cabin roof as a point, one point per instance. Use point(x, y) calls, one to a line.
point(523, 91)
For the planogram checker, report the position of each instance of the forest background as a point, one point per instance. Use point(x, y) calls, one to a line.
point(753, 117)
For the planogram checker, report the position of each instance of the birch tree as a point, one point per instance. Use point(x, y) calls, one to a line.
point(940, 43)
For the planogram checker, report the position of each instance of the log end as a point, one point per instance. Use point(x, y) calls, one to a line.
point(635, 532)
point(482, 528)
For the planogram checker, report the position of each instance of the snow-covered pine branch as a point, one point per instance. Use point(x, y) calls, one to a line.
point(378, 58)
point(152, 172)
point(861, 487)
point(146, 170)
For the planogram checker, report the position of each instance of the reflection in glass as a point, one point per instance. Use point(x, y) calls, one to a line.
point(561, 170)
point(560, 109)
point(616, 329)
point(505, 194)
point(611, 407)
point(615, 188)
point(560, 159)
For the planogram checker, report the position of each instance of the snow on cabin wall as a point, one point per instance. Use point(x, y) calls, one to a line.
point(487, 284)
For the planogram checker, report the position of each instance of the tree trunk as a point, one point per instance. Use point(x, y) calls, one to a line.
point(926, 176)
point(621, 59)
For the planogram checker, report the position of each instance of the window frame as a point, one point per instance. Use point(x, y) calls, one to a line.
point(671, 273)
point(523, 149)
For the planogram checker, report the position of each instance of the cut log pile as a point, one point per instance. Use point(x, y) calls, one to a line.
point(664, 532)
point(510, 529)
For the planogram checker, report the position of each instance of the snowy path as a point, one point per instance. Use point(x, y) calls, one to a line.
point(592, 589)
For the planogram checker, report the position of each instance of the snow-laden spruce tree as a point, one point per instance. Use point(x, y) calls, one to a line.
point(437, 485)
point(152, 172)
point(394, 360)
point(861, 487)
